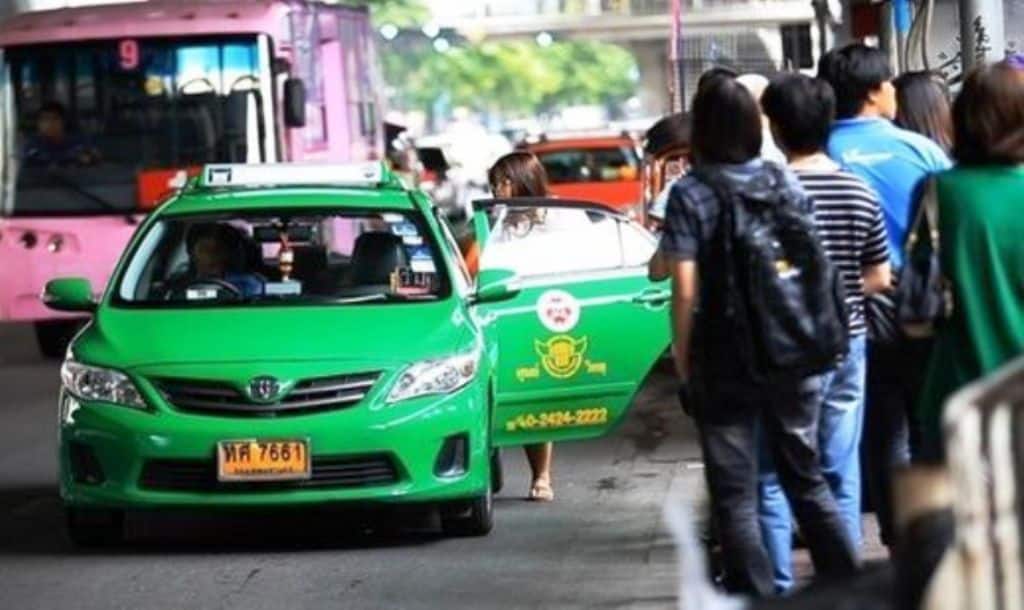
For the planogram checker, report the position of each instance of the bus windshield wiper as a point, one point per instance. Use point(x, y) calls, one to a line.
point(74, 187)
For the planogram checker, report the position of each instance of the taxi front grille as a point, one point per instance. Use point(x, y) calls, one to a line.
point(308, 396)
point(326, 473)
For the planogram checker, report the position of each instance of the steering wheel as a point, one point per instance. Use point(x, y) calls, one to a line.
point(228, 287)
point(201, 79)
point(255, 81)
point(518, 224)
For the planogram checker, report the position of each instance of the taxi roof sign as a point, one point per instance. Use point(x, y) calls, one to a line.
point(228, 175)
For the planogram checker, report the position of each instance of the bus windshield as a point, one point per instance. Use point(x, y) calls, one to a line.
point(106, 126)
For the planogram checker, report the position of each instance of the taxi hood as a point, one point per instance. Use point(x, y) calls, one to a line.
point(383, 334)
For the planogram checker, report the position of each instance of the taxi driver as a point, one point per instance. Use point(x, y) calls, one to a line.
point(217, 252)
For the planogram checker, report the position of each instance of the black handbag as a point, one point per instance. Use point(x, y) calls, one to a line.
point(923, 295)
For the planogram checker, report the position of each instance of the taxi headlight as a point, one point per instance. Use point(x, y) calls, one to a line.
point(439, 376)
point(93, 383)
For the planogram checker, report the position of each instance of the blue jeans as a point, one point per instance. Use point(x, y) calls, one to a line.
point(839, 432)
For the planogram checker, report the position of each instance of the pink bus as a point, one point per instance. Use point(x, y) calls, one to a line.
point(105, 110)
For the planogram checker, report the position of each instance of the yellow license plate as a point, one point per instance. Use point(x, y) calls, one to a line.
point(257, 460)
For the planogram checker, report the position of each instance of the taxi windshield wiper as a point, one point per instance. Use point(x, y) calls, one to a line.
point(391, 296)
point(383, 296)
point(365, 298)
point(80, 190)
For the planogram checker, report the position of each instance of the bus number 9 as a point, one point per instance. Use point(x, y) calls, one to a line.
point(128, 52)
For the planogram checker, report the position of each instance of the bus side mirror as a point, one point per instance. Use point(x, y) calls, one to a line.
point(294, 102)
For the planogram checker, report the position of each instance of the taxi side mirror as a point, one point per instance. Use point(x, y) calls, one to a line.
point(494, 285)
point(69, 294)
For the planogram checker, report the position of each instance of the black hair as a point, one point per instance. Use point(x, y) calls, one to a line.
point(922, 103)
point(672, 131)
point(206, 230)
point(713, 73)
point(726, 123)
point(801, 110)
point(854, 71)
point(54, 108)
point(230, 239)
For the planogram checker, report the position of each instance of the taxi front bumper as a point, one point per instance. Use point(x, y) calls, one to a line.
point(117, 457)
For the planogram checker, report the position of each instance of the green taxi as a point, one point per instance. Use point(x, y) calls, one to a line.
point(295, 335)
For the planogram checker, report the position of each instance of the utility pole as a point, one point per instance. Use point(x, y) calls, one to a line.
point(677, 84)
point(982, 32)
point(889, 38)
point(901, 23)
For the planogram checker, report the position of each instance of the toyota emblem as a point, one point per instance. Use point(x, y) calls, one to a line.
point(264, 389)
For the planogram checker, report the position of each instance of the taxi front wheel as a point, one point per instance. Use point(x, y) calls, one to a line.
point(473, 518)
point(94, 527)
point(497, 474)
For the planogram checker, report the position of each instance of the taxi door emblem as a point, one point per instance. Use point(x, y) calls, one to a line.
point(264, 389)
point(558, 311)
point(561, 355)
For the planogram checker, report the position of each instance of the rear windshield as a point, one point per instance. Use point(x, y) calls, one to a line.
point(612, 164)
point(270, 258)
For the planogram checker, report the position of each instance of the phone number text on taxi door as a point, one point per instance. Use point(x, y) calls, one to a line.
point(597, 416)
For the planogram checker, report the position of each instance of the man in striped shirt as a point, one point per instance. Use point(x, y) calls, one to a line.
point(852, 230)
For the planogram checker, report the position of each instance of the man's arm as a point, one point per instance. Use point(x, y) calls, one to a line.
point(684, 300)
point(658, 267)
point(876, 278)
point(875, 270)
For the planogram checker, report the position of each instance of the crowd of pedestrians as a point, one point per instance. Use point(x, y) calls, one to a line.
point(862, 154)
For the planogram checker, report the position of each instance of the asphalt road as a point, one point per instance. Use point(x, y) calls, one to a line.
point(601, 544)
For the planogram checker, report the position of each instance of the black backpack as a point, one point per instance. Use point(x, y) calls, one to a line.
point(773, 303)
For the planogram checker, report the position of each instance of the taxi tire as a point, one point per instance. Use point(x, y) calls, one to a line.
point(53, 336)
point(497, 474)
point(475, 518)
point(94, 528)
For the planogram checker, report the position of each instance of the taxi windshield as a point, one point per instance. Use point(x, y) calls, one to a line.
point(611, 164)
point(272, 258)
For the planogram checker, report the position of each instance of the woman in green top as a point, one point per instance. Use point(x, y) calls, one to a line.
point(981, 224)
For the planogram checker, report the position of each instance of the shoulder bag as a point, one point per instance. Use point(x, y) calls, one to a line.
point(923, 295)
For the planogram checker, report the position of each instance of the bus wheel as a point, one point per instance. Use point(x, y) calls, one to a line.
point(53, 336)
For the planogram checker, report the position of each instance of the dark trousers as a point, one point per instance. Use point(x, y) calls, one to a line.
point(730, 421)
point(891, 435)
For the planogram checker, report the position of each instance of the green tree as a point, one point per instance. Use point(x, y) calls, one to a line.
point(402, 13)
point(512, 77)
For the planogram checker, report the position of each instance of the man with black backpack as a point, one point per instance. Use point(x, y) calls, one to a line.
point(758, 313)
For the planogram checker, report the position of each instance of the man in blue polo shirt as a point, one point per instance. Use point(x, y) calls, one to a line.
point(894, 162)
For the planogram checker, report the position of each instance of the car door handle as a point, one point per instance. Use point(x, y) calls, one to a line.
point(655, 296)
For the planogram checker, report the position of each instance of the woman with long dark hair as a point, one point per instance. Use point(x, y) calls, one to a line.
point(521, 174)
point(922, 106)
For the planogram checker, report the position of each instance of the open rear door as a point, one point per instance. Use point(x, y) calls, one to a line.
point(578, 340)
